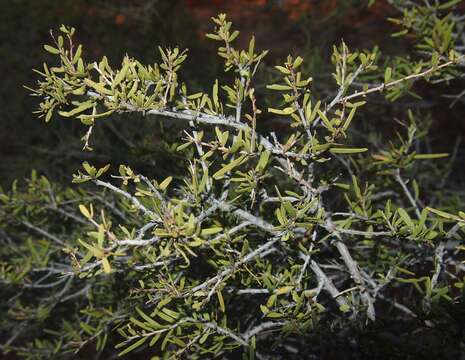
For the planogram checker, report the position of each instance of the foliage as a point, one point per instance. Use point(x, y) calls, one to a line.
point(256, 236)
point(435, 29)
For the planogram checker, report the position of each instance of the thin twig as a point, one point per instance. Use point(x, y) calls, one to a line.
point(407, 193)
point(328, 284)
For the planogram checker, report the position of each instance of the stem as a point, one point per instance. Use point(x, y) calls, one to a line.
point(408, 193)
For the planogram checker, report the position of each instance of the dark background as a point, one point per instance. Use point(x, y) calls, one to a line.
point(137, 27)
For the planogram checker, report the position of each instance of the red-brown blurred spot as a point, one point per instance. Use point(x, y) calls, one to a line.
point(120, 19)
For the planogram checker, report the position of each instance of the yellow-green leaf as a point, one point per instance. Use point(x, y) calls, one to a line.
point(444, 214)
point(51, 49)
point(164, 184)
point(221, 301)
point(347, 150)
point(85, 212)
point(121, 75)
point(228, 167)
point(211, 231)
point(406, 218)
point(97, 86)
point(284, 290)
point(430, 156)
point(106, 265)
point(79, 109)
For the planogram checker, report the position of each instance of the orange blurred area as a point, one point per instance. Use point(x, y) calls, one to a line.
point(253, 15)
point(294, 8)
point(277, 21)
point(120, 19)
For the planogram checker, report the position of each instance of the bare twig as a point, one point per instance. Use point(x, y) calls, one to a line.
point(128, 196)
point(407, 193)
point(43, 232)
point(328, 284)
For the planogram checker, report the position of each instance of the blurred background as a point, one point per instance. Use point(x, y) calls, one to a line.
point(301, 27)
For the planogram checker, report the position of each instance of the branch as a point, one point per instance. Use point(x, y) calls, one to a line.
point(208, 119)
point(136, 242)
point(407, 193)
point(260, 223)
point(328, 284)
point(218, 329)
point(43, 232)
point(250, 256)
point(337, 98)
point(439, 257)
point(390, 84)
point(128, 196)
point(262, 327)
point(357, 277)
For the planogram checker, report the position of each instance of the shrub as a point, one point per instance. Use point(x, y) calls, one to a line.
point(261, 238)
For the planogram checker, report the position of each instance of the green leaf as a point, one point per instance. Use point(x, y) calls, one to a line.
point(134, 346)
point(106, 265)
point(79, 109)
point(48, 116)
point(226, 168)
point(278, 87)
point(357, 191)
point(211, 231)
point(166, 339)
point(285, 111)
point(98, 86)
point(349, 118)
point(121, 75)
point(221, 301)
point(183, 146)
point(264, 157)
point(283, 70)
point(443, 214)
point(283, 290)
point(314, 111)
point(103, 170)
point(171, 313)
point(203, 181)
point(251, 47)
point(449, 4)
point(166, 317)
point(100, 235)
point(140, 324)
point(213, 36)
point(148, 319)
point(216, 101)
point(274, 315)
point(406, 218)
point(164, 302)
point(297, 62)
point(89, 168)
point(325, 120)
point(85, 212)
point(154, 339)
point(98, 253)
point(96, 116)
point(232, 37)
point(164, 184)
point(51, 49)
point(430, 156)
point(347, 150)
point(387, 74)
point(196, 242)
